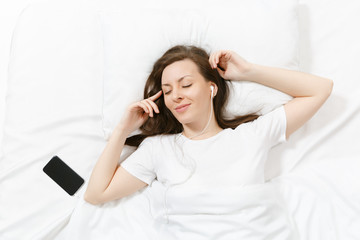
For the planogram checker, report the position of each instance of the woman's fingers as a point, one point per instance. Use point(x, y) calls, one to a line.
point(149, 106)
point(144, 106)
point(218, 55)
point(221, 55)
point(155, 96)
point(214, 58)
point(154, 106)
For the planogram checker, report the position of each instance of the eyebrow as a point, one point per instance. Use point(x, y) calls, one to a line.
point(179, 80)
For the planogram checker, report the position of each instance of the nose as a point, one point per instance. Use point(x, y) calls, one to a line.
point(177, 95)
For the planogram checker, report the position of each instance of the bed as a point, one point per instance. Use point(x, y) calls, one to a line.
point(74, 66)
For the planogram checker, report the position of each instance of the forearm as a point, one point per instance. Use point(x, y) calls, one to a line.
point(107, 164)
point(294, 83)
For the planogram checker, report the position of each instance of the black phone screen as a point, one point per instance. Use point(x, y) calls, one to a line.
point(63, 175)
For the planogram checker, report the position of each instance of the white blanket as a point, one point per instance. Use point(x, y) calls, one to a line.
point(226, 212)
point(127, 218)
point(229, 212)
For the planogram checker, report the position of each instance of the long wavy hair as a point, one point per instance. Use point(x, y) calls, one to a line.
point(165, 122)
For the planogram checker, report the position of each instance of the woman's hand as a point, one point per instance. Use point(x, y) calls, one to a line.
point(138, 113)
point(229, 65)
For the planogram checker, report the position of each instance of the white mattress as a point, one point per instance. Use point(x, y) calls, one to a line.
point(54, 107)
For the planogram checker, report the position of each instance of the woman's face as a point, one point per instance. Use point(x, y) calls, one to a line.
point(186, 93)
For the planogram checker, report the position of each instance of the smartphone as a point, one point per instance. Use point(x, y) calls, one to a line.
point(63, 175)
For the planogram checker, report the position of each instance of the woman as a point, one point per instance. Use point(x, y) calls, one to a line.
point(183, 128)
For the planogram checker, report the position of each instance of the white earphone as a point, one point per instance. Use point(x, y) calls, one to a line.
point(193, 163)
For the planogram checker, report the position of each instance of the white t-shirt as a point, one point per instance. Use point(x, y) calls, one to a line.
point(233, 158)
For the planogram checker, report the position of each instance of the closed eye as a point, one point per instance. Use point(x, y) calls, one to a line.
point(183, 87)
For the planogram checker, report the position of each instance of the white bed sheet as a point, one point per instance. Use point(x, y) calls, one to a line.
point(320, 184)
point(53, 108)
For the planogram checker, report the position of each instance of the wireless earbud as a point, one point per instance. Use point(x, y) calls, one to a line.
point(212, 91)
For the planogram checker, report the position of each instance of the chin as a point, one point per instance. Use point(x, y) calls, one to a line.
point(184, 120)
point(181, 119)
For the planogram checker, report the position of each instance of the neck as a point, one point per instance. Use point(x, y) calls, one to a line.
point(206, 134)
point(195, 132)
point(211, 126)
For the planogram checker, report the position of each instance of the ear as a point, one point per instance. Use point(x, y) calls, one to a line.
point(215, 88)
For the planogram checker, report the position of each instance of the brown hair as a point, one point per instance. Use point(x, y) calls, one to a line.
point(165, 122)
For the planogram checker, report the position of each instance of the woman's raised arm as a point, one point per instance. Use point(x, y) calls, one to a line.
point(109, 181)
point(309, 91)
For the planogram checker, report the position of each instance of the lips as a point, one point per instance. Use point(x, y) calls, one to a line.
point(182, 107)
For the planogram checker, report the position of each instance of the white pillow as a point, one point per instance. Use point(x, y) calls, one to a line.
point(261, 31)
